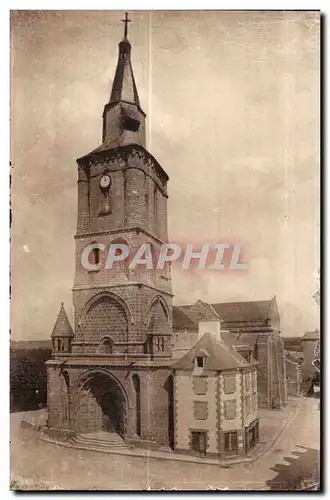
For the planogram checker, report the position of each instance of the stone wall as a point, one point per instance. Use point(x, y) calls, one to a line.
point(215, 422)
point(86, 413)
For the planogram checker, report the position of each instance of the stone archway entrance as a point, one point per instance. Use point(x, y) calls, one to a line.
point(113, 413)
point(102, 405)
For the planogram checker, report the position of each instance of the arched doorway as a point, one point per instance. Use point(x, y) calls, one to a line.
point(102, 404)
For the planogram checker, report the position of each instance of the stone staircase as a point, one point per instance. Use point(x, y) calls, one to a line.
point(100, 441)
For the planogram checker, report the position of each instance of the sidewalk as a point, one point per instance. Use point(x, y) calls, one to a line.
point(272, 425)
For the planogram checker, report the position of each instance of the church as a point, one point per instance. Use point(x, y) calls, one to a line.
point(119, 371)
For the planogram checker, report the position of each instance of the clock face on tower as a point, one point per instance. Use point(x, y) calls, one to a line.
point(105, 181)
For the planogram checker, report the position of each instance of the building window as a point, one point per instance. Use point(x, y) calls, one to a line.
point(95, 256)
point(106, 346)
point(130, 124)
point(251, 436)
point(200, 410)
point(229, 384)
point(200, 385)
point(159, 344)
point(230, 409)
point(245, 355)
point(247, 405)
point(200, 362)
point(148, 345)
point(231, 441)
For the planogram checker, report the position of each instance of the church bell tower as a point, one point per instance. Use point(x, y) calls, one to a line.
point(120, 354)
point(122, 199)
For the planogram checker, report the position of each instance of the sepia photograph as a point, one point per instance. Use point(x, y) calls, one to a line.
point(165, 250)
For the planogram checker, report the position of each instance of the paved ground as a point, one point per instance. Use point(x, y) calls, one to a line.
point(293, 459)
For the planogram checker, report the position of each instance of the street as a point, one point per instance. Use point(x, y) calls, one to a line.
point(289, 464)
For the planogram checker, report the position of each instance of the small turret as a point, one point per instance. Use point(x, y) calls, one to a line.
point(62, 333)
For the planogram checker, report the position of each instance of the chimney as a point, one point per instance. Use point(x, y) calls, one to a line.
point(210, 326)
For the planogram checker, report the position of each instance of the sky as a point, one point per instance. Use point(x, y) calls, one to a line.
point(232, 103)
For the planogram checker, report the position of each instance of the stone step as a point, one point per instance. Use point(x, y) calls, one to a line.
point(108, 442)
point(99, 443)
point(103, 437)
point(100, 446)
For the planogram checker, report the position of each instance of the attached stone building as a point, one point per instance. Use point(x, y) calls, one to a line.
point(311, 351)
point(254, 330)
point(215, 400)
point(293, 376)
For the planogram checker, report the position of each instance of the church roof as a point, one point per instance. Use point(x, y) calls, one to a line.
point(237, 341)
point(62, 327)
point(184, 319)
point(219, 356)
point(244, 311)
point(312, 335)
point(124, 87)
point(229, 312)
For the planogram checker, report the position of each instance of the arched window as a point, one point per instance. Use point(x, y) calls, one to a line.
point(148, 345)
point(137, 389)
point(106, 346)
point(95, 256)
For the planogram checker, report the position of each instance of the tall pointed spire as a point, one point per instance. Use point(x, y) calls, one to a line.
point(123, 118)
point(124, 87)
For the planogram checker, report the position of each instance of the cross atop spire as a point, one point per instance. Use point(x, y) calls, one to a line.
point(126, 21)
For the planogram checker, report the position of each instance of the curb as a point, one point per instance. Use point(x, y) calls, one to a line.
point(180, 458)
point(286, 423)
point(171, 456)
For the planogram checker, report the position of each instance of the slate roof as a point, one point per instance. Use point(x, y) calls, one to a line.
point(124, 87)
point(236, 312)
point(62, 327)
point(184, 319)
point(239, 312)
point(312, 335)
point(219, 356)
